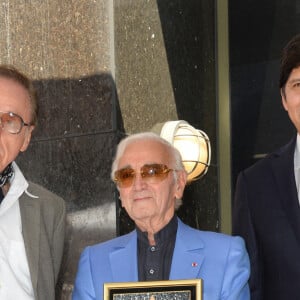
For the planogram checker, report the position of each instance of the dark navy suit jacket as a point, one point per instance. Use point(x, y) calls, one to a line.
point(267, 215)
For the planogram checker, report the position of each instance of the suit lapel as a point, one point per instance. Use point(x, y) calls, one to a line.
point(283, 169)
point(188, 248)
point(30, 216)
point(124, 257)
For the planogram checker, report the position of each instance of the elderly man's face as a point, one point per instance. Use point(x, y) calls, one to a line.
point(13, 98)
point(150, 202)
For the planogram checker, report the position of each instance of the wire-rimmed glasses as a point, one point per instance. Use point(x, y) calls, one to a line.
point(12, 122)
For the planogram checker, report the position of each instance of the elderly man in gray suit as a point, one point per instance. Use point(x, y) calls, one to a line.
point(32, 219)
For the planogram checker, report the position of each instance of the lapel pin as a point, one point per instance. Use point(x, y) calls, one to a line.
point(194, 264)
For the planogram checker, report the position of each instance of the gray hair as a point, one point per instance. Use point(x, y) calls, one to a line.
point(11, 73)
point(174, 154)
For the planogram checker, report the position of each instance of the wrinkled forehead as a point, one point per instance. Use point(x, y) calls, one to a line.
point(139, 153)
point(14, 98)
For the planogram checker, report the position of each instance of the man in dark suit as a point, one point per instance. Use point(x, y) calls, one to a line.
point(32, 219)
point(266, 208)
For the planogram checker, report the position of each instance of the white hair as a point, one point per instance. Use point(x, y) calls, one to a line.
point(174, 154)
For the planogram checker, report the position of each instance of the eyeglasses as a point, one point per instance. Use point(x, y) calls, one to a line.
point(151, 173)
point(11, 122)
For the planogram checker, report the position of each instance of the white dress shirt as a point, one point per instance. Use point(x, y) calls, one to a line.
point(15, 281)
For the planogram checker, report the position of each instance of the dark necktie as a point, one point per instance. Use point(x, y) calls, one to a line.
point(1, 196)
point(7, 173)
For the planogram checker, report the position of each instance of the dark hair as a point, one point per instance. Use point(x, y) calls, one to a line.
point(290, 60)
point(10, 72)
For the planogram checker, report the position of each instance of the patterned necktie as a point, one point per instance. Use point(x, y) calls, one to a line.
point(1, 196)
point(4, 177)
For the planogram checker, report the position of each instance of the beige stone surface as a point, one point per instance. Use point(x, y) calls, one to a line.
point(142, 75)
point(57, 38)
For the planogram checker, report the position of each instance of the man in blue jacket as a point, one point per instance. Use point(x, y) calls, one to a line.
point(150, 177)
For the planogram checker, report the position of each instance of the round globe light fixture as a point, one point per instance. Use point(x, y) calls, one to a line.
point(193, 145)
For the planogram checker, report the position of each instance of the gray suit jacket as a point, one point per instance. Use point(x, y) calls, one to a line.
point(43, 223)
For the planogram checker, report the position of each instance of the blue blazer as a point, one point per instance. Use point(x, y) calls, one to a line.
point(267, 215)
point(220, 260)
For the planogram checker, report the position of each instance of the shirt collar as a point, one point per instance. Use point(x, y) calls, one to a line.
point(297, 153)
point(18, 185)
point(161, 236)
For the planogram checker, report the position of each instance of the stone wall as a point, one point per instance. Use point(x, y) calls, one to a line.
point(104, 69)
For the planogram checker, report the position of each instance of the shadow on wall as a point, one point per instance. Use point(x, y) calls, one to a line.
point(189, 37)
point(71, 154)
